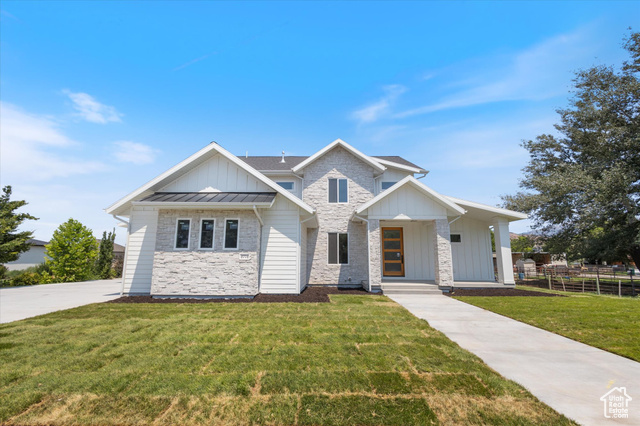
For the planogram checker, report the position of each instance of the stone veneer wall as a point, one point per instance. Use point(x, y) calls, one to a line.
point(442, 252)
point(334, 217)
point(196, 272)
point(375, 244)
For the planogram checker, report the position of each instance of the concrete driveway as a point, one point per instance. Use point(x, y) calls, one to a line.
point(18, 303)
point(567, 375)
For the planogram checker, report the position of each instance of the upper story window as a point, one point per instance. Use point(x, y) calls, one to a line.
point(456, 238)
point(182, 233)
point(387, 185)
point(287, 185)
point(231, 228)
point(207, 229)
point(338, 191)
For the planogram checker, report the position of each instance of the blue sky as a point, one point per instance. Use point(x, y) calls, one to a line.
point(99, 97)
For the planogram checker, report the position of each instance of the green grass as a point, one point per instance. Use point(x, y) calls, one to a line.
point(358, 360)
point(606, 322)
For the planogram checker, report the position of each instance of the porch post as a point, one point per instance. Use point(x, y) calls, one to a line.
point(375, 269)
point(442, 254)
point(503, 250)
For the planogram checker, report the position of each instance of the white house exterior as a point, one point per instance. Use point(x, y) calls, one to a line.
point(221, 225)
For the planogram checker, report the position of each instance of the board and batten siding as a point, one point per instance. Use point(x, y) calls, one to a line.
point(280, 248)
point(390, 175)
point(408, 201)
point(472, 258)
point(216, 174)
point(141, 245)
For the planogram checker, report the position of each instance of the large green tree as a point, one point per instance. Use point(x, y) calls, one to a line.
point(12, 242)
point(582, 186)
point(72, 252)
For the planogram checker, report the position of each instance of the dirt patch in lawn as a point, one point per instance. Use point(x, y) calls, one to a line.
point(500, 292)
point(309, 295)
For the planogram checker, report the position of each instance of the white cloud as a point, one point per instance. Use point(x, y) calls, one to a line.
point(133, 152)
point(540, 72)
point(31, 147)
point(89, 109)
point(380, 108)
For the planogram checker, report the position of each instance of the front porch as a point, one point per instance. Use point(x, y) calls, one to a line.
point(403, 286)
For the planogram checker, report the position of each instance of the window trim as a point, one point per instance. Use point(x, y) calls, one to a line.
point(338, 179)
point(456, 233)
point(213, 238)
point(292, 182)
point(175, 235)
point(386, 181)
point(224, 236)
point(338, 248)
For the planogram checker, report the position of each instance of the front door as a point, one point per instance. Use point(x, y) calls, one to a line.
point(392, 252)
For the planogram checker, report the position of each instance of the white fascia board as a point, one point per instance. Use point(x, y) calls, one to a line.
point(410, 180)
point(400, 166)
point(190, 160)
point(512, 215)
point(339, 142)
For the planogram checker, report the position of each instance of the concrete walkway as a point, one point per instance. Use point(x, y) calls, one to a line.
point(568, 376)
point(18, 303)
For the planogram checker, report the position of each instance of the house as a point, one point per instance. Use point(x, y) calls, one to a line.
point(221, 225)
point(33, 257)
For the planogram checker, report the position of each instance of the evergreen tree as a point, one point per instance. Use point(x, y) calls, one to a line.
point(105, 255)
point(12, 243)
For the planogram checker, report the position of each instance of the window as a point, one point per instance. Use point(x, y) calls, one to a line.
point(287, 185)
point(338, 248)
point(338, 192)
point(182, 233)
point(387, 185)
point(207, 229)
point(231, 234)
point(456, 238)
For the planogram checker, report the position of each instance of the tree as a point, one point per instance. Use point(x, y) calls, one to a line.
point(72, 252)
point(582, 187)
point(12, 243)
point(105, 255)
point(522, 244)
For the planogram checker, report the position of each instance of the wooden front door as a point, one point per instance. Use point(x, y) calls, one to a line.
point(392, 252)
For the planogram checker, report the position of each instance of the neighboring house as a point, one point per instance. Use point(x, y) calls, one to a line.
point(34, 256)
point(221, 225)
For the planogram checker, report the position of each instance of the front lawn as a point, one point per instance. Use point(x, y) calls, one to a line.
point(357, 360)
point(606, 322)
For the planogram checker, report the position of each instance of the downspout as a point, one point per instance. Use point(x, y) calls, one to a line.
point(455, 219)
point(124, 266)
point(423, 175)
point(255, 210)
point(368, 249)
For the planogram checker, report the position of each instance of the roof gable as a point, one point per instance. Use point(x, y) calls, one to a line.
point(339, 142)
point(416, 188)
point(191, 163)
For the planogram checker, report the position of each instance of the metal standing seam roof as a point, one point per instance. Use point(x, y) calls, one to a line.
point(211, 197)
point(274, 163)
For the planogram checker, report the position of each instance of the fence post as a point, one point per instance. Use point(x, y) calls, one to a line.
point(583, 285)
point(549, 277)
point(562, 281)
point(598, 280)
point(619, 288)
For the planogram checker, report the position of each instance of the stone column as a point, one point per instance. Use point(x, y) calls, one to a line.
point(442, 253)
point(503, 250)
point(375, 253)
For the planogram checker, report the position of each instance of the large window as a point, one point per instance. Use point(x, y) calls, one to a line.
point(338, 248)
point(387, 185)
point(182, 233)
point(231, 228)
point(207, 230)
point(338, 191)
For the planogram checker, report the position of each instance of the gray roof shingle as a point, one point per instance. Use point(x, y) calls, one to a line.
point(274, 163)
